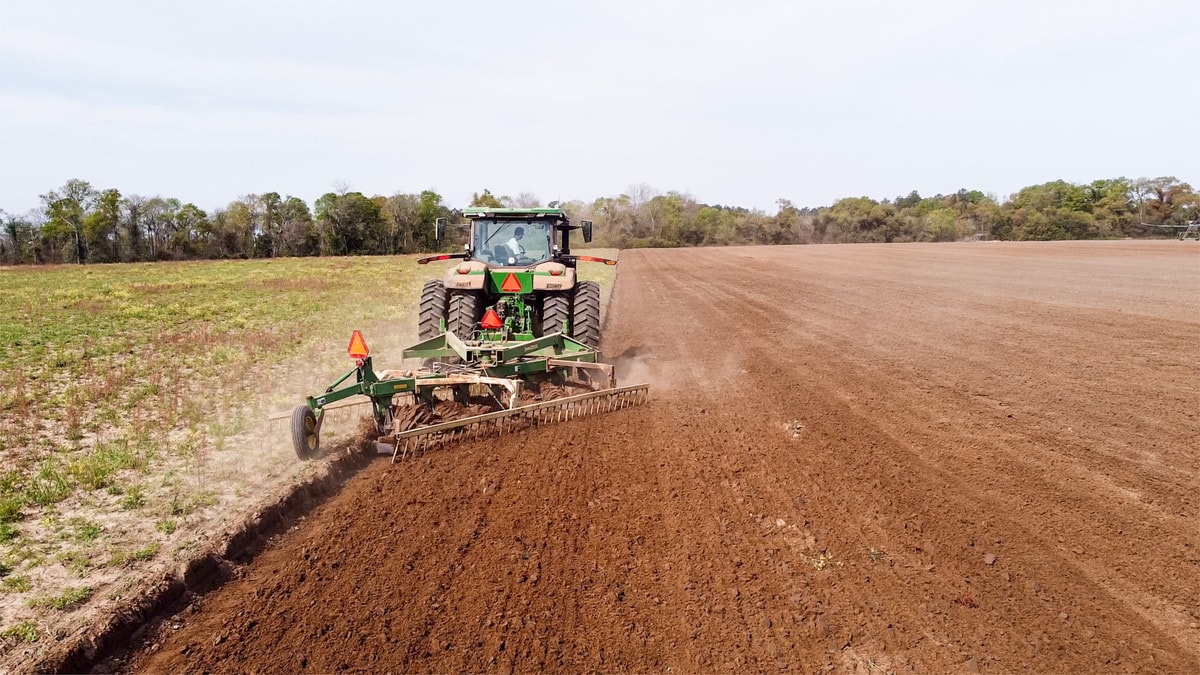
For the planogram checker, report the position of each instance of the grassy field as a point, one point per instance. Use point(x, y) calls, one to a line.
point(136, 405)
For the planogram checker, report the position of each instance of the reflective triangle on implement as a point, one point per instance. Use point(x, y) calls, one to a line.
point(358, 346)
point(491, 320)
point(511, 284)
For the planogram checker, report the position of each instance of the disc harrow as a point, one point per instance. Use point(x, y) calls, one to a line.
point(469, 389)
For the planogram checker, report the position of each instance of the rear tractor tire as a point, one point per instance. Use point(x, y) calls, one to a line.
point(585, 315)
point(432, 310)
point(466, 309)
point(556, 314)
point(306, 440)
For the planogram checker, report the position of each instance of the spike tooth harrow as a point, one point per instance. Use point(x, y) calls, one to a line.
point(414, 442)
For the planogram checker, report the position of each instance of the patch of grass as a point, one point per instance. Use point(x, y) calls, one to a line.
point(26, 631)
point(9, 482)
point(70, 597)
point(166, 526)
point(120, 557)
point(86, 531)
point(49, 485)
point(185, 504)
point(10, 507)
point(8, 532)
point(76, 562)
point(146, 552)
point(135, 498)
point(16, 583)
point(96, 468)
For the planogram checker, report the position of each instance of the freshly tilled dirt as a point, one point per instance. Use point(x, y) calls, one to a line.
point(908, 458)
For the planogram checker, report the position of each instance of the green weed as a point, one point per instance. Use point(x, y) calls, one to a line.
point(26, 631)
point(49, 485)
point(96, 468)
point(167, 526)
point(146, 552)
point(10, 507)
point(120, 557)
point(9, 482)
point(76, 562)
point(16, 584)
point(69, 598)
point(135, 498)
point(86, 531)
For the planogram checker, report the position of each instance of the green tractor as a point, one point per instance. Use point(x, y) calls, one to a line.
point(516, 281)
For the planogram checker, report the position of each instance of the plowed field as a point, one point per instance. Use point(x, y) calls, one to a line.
point(896, 457)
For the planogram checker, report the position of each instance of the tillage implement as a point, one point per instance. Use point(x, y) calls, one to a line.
point(509, 339)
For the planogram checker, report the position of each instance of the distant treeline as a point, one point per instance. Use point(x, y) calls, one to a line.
point(78, 223)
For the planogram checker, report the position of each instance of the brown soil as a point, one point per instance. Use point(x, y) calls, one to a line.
point(896, 457)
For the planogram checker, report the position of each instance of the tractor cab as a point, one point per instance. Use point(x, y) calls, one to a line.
point(512, 242)
point(521, 237)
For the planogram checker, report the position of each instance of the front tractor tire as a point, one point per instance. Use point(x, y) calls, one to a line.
point(432, 310)
point(585, 314)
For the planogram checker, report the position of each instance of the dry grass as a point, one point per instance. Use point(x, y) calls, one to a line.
point(126, 393)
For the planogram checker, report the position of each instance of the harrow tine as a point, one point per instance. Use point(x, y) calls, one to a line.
point(416, 442)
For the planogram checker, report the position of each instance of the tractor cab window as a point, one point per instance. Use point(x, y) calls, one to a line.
point(512, 242)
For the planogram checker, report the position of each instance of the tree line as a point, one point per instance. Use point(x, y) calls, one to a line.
point(78, 223)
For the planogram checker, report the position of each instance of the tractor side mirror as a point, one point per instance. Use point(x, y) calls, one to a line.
point(439, 229)
point(587, 231)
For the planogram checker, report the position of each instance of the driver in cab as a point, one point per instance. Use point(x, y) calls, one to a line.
point(514, 244)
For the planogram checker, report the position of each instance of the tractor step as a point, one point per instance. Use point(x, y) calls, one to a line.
point(415, 442)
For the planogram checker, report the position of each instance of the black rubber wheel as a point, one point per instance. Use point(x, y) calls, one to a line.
point(466, 309)
point(585, 314)
point(305, 440)
point(556, 312)
point(432, 310)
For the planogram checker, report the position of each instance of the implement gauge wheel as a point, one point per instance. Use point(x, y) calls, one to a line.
point(304, 432)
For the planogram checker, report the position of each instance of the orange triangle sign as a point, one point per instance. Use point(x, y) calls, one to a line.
point(358, 346)
point(491, 320)
point(511, 284)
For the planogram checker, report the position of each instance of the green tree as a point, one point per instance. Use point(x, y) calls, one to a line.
point(133, 236)
point(17, 238)
point(300, 235)
point(485, 199)
point(352, 224)
point(191, 226)
point(269, 240)
point(65, 210)
point(101, 227)
point(429, 209)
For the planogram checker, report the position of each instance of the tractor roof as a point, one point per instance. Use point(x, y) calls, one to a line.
point(484, 212)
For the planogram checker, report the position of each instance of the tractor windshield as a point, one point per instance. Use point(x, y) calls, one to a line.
point(512, 242)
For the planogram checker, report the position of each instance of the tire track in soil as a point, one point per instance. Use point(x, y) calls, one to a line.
point(699, 533)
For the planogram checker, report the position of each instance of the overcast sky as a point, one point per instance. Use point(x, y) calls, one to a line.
point(737, 103)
